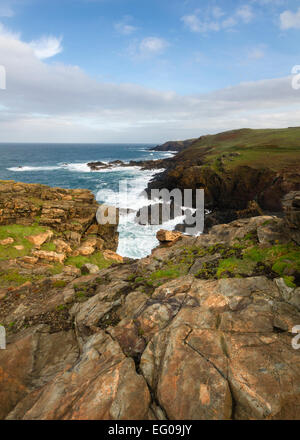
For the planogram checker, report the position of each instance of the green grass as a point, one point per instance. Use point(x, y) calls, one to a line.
point(14, 279)
point(50, 247)
point(56, 269)
point(96, 259)
point(284, 260)
point(272, 148)
point(60, 284)
point(171, 273)
point(249, 259)
point(282, 257)
point(18, 233)
point(235, 266)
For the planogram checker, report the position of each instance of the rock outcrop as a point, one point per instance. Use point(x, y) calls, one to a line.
point(174, 145)
point(70, 212)
point(291, 203)
point(201, 330)
point(243, 172)
point(168, 236)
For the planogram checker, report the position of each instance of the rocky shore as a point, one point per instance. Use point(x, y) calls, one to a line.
point(243, 172)
point(200, 329)
point(204, 328)
point(174, 145)
point(143, 164)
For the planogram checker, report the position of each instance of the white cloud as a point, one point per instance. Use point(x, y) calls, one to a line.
point(196, 25)
point(269, 2)
point(245, 13)
point(124, 27)
point(46, 47)
point(153, 46)
point(290, 20)
point(217, 12)
point(229, 23)
point(192, 22)
point(55, 103)
point(217, 20)
point(4, 32)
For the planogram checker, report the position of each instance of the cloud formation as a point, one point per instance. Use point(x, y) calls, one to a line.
point(290, 20)
point(46, 47)
point(60, 103)
point(153, 45)
point(124, 27)
point(216, 19)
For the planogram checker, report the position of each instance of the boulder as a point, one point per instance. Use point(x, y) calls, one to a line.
point(39, 239)
point(89, 246)
point(168, 236)
point(19, 247)
point(73, 237)
point(7, 241)
point(62, 247)
point(89, 269)
point(112, 256)
point(30, 260)
point(51, 257)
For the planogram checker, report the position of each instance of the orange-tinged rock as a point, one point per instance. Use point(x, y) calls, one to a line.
point(7, 241)
point(168, 236)
point(102, 385)
point(19, 247)
point(50, 256)
point(39, 239)
point(31, 360)
point(62, 247)
point(189, 387)
point(112, 256)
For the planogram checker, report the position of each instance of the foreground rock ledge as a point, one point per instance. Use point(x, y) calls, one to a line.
point(187, 348)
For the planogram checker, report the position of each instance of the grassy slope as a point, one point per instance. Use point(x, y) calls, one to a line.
point(272, 148)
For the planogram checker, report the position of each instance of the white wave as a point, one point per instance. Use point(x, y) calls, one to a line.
point(131, 191)
point(168, 153)
point(74, 167)
point(84, 168)
point(27, 168)
point(137, 241)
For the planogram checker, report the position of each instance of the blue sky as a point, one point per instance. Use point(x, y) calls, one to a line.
point(167, 59)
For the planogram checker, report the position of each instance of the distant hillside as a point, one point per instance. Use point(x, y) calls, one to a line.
point(272, 148)
point(174, 145)
point(237, 167)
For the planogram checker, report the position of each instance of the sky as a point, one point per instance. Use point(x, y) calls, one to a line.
point(146, 71)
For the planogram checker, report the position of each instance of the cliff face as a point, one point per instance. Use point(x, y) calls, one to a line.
point(201, 329)
point(236, 168)
point(174, 145)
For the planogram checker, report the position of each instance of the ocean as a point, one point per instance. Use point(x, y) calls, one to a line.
point(65, 166)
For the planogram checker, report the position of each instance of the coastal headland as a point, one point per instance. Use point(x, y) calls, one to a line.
point(204, 328)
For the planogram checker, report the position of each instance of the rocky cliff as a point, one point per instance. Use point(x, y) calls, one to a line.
point(174, 145)
point(237, 168)
point(201, 329)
